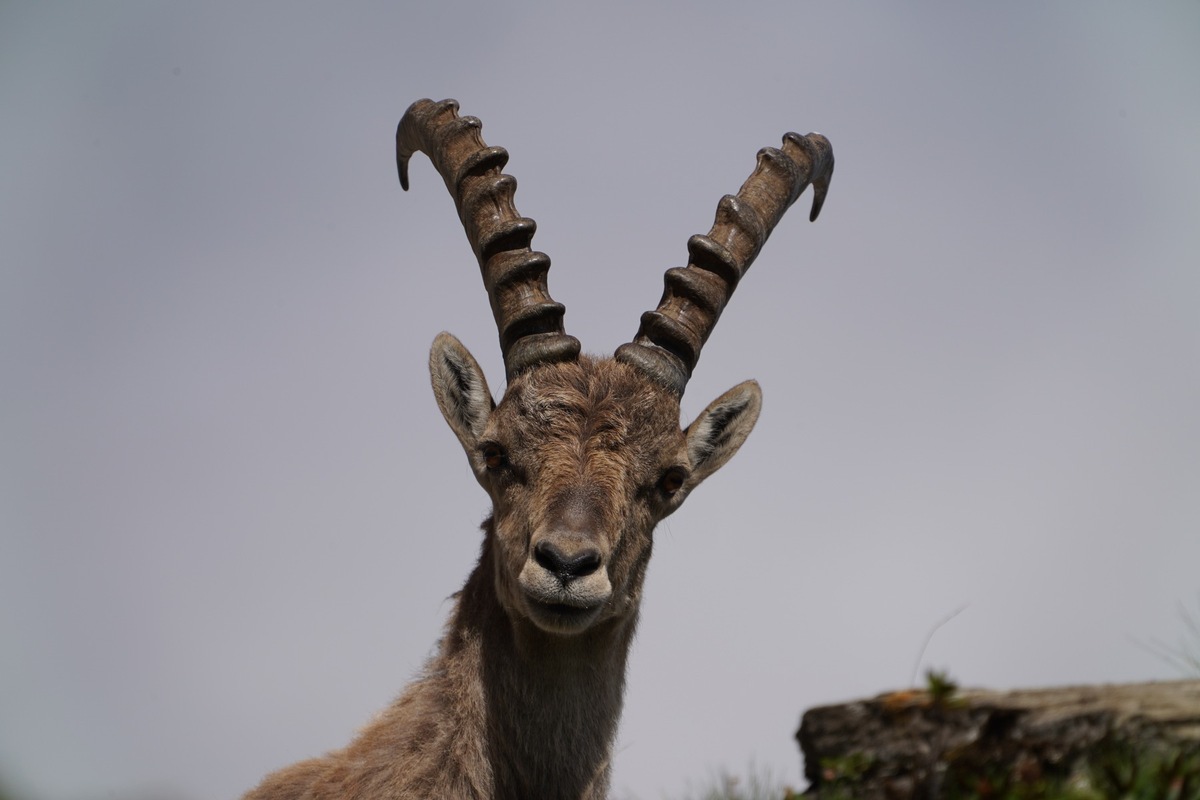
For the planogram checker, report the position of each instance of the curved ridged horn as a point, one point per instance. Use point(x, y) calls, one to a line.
point(668, 343)
point(529, 321)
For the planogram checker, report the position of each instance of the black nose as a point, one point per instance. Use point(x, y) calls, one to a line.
point(567, 567)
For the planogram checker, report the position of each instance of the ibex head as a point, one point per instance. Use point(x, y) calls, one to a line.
point(583, 456)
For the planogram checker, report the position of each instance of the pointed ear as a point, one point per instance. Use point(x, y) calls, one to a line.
point(715, 435)
point(461, 390)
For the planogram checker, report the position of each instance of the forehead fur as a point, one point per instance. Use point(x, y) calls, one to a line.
point(592, 397)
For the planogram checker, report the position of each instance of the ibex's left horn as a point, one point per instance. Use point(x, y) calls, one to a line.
point(529, 321)
point(668, 343)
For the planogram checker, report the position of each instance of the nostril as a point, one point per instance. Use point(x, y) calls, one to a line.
point(547, 555)
point(566, 567)
point(585, 563)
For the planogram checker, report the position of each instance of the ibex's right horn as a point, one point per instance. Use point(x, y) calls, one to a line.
point(529, 321)
point(668, 343)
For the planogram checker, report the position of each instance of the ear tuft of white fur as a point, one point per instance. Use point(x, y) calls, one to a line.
point(721, 428)
point(460, 388)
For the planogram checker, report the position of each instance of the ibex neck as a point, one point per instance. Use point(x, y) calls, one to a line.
point(552, 703)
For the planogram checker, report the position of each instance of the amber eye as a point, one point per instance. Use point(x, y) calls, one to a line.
point(672, 481)
point(494, 456)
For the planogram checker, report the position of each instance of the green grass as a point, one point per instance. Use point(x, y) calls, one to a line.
point(758, 783)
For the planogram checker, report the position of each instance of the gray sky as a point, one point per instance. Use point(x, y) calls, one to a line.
point(232, 515)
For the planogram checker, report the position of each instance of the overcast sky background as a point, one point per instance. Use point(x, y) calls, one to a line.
point(232, 515)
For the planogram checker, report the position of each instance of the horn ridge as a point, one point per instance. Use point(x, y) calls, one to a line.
point(518, 269)
point(502, 235)
point(703, 289)
point(528, 320)
point(480, 162)
point(711, 256)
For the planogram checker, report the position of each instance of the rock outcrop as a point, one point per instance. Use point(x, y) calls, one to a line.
point(1140, 740)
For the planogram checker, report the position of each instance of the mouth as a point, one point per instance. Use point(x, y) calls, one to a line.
point(562, 618)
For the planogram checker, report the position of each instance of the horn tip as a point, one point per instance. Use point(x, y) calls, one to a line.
point(402, 167)
point(820, 189)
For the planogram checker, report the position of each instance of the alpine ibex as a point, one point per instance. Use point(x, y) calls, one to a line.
point(581, 458)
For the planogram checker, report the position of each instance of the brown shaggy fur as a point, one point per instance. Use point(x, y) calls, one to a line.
point(524, 694)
